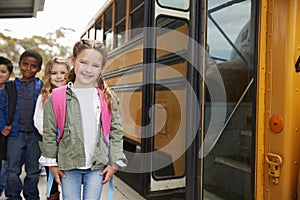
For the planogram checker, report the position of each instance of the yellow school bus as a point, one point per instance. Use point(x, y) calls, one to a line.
point(209, 94)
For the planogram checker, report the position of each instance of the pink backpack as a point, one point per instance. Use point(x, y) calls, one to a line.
point(59, 109)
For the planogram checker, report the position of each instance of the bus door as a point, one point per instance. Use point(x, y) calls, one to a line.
point(228, 92)
point(165, 96)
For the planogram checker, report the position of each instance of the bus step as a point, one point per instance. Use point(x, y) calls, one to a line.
point(230, 162)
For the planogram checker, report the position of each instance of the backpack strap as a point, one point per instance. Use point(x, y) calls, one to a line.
point(38, 86)
point(59, 109)
point(11, 89)
point(50, 181)
point(106, 116)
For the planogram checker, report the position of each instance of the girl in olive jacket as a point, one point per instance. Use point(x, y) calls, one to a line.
point(88, 153)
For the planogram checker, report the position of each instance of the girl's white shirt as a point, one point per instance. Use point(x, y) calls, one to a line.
point(38, 115)
point(89, 108)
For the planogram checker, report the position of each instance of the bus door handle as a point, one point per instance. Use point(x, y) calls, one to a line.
point(274, 161)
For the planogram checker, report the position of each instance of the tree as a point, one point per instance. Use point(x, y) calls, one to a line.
point(49, 46)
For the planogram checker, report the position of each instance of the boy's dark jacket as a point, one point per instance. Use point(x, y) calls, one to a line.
point(12, 101)
point(9, 109)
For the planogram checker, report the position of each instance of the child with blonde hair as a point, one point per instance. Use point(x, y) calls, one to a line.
point(54, 76)
point(91, 148)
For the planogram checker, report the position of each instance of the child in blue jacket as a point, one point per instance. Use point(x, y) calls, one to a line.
point(23, 137)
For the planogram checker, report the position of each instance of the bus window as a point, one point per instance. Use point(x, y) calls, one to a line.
point(136, 20)
point(120, 21)
point(228, 163)
point(108, 37)
point(178, 4)
point(170, 93)
point(99, 30)
point(92, 33)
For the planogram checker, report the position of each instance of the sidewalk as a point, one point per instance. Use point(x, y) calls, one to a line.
point(121, 190)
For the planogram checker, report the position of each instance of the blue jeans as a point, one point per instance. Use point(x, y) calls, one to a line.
point(23, 149)
point(3, 175)
point(91, 180)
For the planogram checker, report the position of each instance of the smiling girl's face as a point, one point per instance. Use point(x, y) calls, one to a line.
point(88, 67)
point(58, 72)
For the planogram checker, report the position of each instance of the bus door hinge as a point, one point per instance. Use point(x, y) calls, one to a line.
point(274, 161)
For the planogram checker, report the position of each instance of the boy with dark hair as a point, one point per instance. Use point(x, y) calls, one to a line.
point(23, 137)
point(6, 71)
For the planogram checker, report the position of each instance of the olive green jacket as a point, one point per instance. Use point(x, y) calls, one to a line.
point(70, 151)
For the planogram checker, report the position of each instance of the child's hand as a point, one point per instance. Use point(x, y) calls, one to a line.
point(108, 172)
point(57, 173)
point(6, 130)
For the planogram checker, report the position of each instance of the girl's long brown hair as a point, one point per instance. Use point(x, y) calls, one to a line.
point(98, 46)
point(48, 86)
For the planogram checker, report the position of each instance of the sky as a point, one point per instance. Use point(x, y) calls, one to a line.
point(57, 13)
